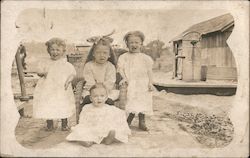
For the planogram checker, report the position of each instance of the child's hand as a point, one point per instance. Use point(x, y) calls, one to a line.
point(43, 74)
point(123, 81)
point(151, 87)
point(66, 85)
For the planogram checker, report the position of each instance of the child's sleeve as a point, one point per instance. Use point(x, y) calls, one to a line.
point(41, 67)
point(88, 76)
point(110, 77)
point(71, 70)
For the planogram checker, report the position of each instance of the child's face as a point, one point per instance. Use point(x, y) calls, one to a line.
point(101, 54)
point(134, 44)
point(98, 96)
point(56, 52)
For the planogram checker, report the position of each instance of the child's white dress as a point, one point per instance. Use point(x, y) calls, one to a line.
point(105, 74)
point(51, 100)
point(95, 123)
point(135, 67)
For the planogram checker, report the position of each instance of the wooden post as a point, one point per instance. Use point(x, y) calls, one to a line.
point(175, 49)
point(190, 69)
point(24, 96)
point(192, 58)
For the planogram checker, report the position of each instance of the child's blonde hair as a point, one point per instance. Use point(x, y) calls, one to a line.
point(98, 85)
point(134, 33)
point(56, 41)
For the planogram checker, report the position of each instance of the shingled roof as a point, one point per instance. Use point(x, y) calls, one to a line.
point(220, 23)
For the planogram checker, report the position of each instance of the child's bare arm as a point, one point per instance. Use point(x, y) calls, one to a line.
point(124, 78)
point(122, 73)
point(150, 76)
point(150, 63)
point(68, 81)
point(120, 70)
point(150, 83)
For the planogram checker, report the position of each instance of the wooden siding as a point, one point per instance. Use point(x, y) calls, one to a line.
point(215, 39)
point(221, 73)
point(220, 56)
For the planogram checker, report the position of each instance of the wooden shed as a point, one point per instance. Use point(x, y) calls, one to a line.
point(201, 51)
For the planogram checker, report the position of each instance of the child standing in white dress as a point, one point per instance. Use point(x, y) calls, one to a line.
point(53, 95)
point(100, 68)
point(136, 70)
point(99, 122)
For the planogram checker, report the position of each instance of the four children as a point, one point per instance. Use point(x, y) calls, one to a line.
point(99, 122)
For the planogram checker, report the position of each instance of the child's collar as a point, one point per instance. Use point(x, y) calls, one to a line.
point(61, 60)
point(99, 63)
point(134, 53)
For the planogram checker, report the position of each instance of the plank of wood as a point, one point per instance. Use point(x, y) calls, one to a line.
point(190, 85)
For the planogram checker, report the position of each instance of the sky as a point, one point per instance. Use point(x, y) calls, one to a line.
point(75, 26)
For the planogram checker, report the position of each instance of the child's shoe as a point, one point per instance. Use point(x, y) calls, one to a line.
point(50, 125)
point(142, 124)
point(49, 129)
point(130, 118)
point(65, 126)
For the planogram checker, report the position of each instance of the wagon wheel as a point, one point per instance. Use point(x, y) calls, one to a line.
point(78, 97)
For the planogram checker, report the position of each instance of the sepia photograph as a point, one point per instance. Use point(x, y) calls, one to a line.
point(125, 79)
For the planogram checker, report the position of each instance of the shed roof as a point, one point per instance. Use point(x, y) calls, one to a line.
point(220, 23)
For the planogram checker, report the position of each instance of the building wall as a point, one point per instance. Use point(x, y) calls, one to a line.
point(217, 56)
point(215, 51)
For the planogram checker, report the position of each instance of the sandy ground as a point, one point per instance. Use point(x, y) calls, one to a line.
point(165, 133)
